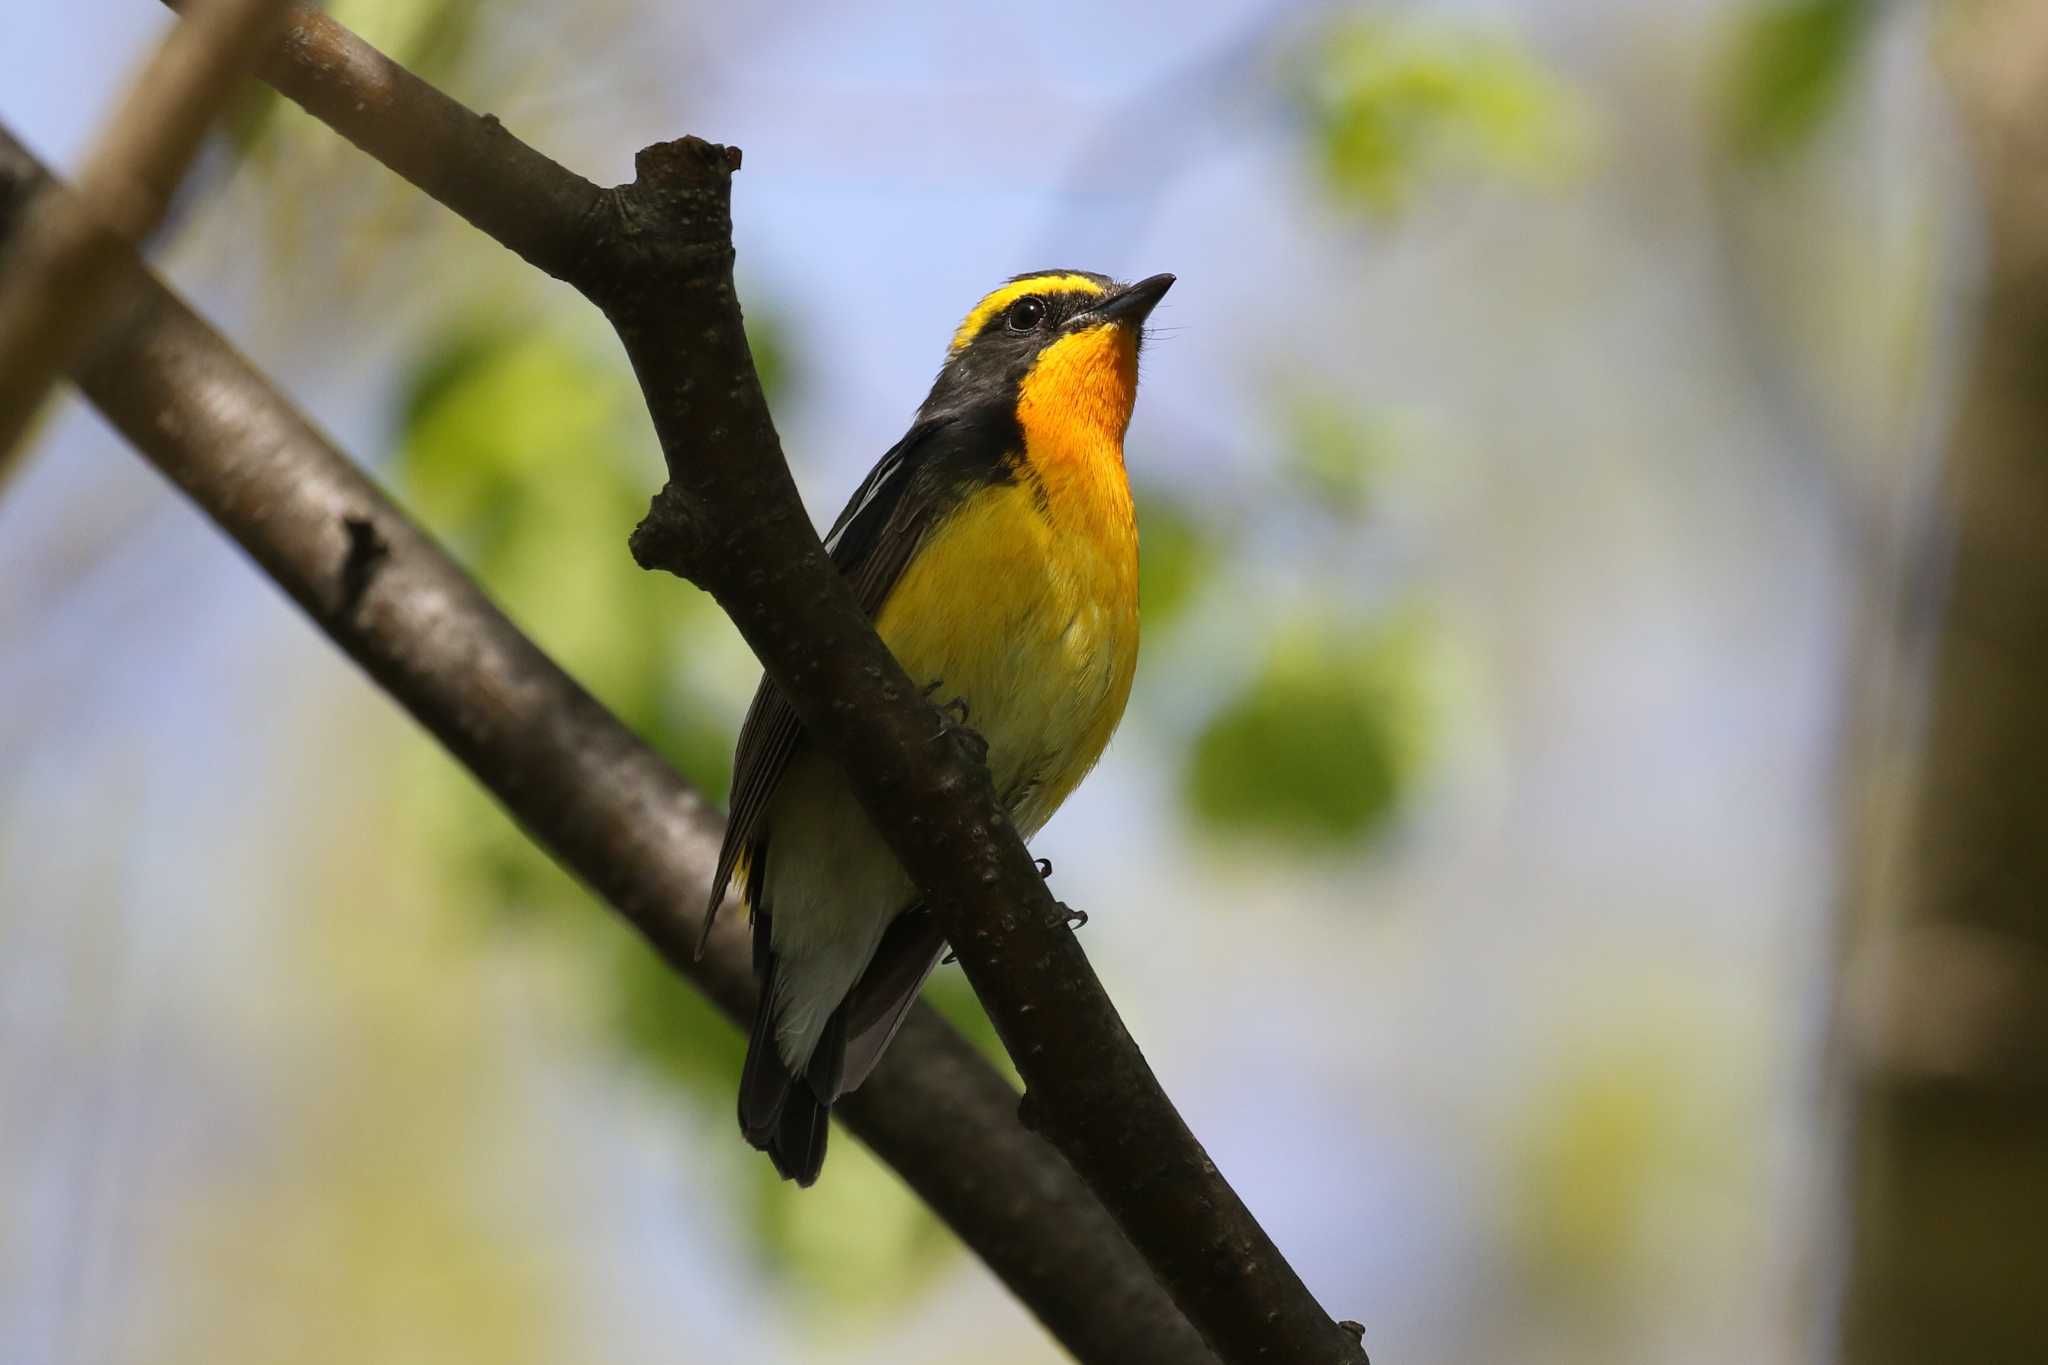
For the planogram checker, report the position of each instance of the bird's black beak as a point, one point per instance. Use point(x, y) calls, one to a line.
point(1130, 306)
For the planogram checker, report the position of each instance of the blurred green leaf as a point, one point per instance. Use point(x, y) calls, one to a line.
point(955, 1000)
point(1177, 551)
point(386, 1120)
point(1337, 450)
point(533, 459)
point(1789, 65)
point(530, 459)
point(858, 1237)
point(1631, 1146)
point(1394, 102)
point(671, 1025)
point(774, 357)
point(1319, 747)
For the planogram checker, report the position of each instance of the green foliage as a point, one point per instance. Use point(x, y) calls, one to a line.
point(1395, 102)
point(955, 1000)
point(1178, 550)
point(430, 39)
point(533, 459)
point(1322, 743)
point(774, 357)
point(388, 1124)
point(675, 1028)
point(1337, 450)
point(1790, 62)
point(1318, 747)
point(1621, 1151)
point(530, 458)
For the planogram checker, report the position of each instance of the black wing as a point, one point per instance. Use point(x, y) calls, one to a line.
point(889, 515)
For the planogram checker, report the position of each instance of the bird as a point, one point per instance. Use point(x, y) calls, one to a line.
point(995, 549)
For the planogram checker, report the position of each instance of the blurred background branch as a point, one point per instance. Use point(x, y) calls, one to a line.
point(1945, 1006)
point(579, 782)
point(53, 279)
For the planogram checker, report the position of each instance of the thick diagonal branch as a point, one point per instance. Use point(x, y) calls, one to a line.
point(656, 256)
point(60, 262)
point(582, 785)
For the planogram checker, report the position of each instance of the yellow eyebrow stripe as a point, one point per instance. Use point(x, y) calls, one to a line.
point(1017, 289)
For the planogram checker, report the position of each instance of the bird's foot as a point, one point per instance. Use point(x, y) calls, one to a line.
point(1068, 917)
point(956, 708)
point(1044, 868)
point(953, 725)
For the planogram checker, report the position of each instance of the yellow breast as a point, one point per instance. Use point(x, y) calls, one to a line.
point(1025, 603)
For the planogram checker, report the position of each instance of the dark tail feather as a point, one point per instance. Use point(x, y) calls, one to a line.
point(785, 1118)
point(798, 1146)
point(764, 1081)
point(879, 1001)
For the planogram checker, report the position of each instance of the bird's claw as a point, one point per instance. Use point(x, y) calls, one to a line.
point(956, 708)
point(953, 722)
point(1070, 918)
point(1044, 868)
point(968, 738)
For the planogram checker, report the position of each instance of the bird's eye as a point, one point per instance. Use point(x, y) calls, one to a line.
point(1026, 313)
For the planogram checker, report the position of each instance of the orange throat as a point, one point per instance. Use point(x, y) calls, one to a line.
point(1074, 407)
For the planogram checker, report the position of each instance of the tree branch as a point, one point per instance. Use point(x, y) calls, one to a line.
point(524, 200)
point(53, 287)
point(656, 257)
point(582, 785)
